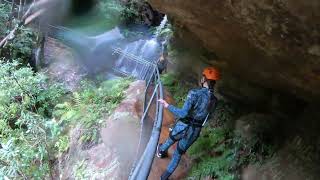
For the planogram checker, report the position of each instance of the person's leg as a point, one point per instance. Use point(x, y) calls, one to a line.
point(175, 160)
point(182, 146)
point(166, 145)
point(172, 165)
point(176, 134)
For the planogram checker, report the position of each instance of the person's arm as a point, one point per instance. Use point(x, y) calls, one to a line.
point(180, 113)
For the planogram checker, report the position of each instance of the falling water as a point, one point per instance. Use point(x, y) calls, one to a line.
point(97, 52)
point(147, 50)
point(161, 26)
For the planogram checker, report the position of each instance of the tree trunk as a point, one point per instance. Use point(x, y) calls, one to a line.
point(24, 6)
point(12, 6)
point(39, 54)
point(20, 9)
point(11, 15)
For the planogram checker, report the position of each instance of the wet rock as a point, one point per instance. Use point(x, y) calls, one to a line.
point(294, 161)
point(244, 92)
point(314, 50)
point(97, 162)
point(255, 125)
point(122, 128)
point(271, 43)
point(60, 64)
point(113, 156)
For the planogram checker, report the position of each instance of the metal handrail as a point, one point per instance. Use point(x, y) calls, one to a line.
point(142, 169)
point(131, 56)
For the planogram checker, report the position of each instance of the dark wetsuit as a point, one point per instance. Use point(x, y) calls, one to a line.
point(199, 103)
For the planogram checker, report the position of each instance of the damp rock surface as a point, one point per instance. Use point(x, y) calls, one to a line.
point(272, 43)
point(113, 155)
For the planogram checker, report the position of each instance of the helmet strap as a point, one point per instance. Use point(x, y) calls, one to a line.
point(203, 82)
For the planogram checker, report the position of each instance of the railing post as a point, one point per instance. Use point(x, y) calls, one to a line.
point(146, 90)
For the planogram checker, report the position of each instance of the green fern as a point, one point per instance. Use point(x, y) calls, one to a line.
point(91, 104)
point(215, 167)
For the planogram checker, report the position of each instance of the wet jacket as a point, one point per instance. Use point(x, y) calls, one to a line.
point(198, 104)
point(162, 64)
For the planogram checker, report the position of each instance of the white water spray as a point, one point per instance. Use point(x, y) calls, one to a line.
point(161, 26)
point(148, 50)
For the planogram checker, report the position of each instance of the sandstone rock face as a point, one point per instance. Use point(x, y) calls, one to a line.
point(97, 162)
point(113, 156)
point(273, 43)
point(122, 130)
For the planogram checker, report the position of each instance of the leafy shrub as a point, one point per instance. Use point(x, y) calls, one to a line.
point(220, 152)
point(130, 13)
point(25, 126)
point(214, 154)
point(4, 17)
point(62, 144)
point(91, 104)
point(111, 11)
point(21, 46)
point(216, 167)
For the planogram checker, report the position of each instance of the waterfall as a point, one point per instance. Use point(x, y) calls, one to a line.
point(96, 52)
point(147, 50)
point(161, 26)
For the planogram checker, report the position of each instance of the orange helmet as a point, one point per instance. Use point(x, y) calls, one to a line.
point(211, 73)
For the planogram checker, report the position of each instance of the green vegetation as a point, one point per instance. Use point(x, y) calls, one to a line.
point(4, 17)
point(26, 130)
point(167, 33)
point(91, 104)
point(179, 89)
point(20, 47)
point(220, 152)
point(80, 171)
point(106, 15)
point(32, 134)
point(36, 114)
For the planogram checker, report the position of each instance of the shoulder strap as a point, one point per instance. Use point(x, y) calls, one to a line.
point(210, 104)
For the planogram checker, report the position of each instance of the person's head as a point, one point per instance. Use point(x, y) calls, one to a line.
point(162, 58)
point(209, 77)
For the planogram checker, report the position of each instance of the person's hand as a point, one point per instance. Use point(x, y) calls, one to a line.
point(164, 103)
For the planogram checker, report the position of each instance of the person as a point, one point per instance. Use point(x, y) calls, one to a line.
point(191, 117)
point(162, 62)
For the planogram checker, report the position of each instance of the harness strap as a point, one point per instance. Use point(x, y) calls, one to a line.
point(192, 122)
point(172, 137)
